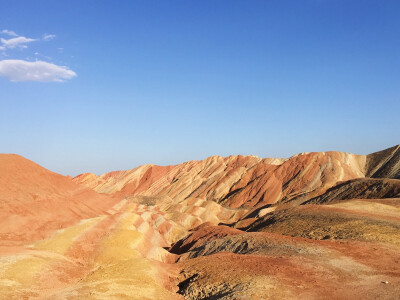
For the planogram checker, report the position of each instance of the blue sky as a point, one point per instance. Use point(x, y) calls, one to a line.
point(96, 86)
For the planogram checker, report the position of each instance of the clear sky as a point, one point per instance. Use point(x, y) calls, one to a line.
point(95, 86)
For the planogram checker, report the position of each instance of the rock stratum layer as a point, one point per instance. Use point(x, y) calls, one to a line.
point(313, 226)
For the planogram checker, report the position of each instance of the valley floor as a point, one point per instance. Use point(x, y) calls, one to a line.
point(348, 250)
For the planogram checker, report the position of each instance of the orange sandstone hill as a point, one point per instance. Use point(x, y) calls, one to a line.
point(314, 226)
point(247, 181)
point(34, 201)
point(235, 181)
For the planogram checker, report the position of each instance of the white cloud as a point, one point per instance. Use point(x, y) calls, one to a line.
point(21, 70)
point(2, 48)
point(17, 42)
point(9, 32)
point(48, 37)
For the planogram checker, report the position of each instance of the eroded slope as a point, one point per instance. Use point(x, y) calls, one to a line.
point(221, 228)
point(234, 181)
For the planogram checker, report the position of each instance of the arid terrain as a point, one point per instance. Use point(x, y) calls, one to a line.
point(320, 225)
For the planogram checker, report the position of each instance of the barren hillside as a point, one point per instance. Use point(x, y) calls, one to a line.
point(313, 226)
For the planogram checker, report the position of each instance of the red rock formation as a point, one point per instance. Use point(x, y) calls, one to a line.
point(34, 201)
point(234, 181)
point(149, 232)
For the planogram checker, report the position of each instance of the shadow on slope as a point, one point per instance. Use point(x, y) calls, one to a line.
point(384, 164)
point(362, 188)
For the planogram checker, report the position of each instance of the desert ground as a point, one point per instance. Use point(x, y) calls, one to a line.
point(320, 225)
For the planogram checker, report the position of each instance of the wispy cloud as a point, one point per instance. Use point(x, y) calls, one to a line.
point(48, 37)
point(26, 70)
point(9, 32)
point(19, 42)
point(21, 70)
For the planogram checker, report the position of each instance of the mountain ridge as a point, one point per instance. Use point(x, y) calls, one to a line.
point(245, 177)
point(220, 228)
